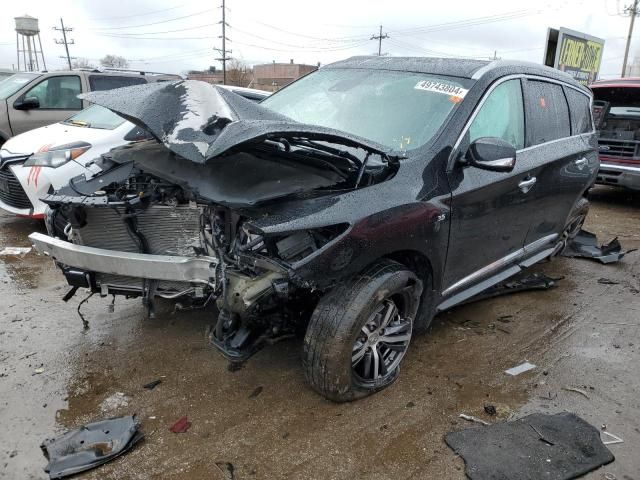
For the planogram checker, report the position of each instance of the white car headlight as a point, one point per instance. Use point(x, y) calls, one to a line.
point(57, 156)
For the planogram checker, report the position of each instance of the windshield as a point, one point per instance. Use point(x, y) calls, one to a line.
point(623, 100)
point(400, 110)
point(11, 85)
point(96, 116)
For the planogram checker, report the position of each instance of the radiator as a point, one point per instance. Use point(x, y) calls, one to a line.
point(168, 231)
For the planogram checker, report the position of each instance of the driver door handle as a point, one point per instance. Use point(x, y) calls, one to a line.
point(525, 185)
point(580, 163)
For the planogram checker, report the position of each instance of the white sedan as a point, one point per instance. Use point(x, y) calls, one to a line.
point(40, 161)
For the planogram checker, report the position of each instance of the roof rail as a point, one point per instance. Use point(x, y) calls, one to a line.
point(122, 70)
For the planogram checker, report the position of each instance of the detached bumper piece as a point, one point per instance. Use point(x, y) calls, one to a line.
point(585, 245)
point(90, 446)
point(141, 265)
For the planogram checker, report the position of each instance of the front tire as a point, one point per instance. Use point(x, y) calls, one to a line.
point(360, 331)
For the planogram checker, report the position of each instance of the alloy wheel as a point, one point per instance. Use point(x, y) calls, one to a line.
point(381, 344)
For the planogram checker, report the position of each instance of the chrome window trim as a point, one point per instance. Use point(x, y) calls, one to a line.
point(493, 86)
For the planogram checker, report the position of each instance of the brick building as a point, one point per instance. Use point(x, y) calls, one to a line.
point(273, 76)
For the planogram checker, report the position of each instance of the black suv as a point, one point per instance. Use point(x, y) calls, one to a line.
point(355, 203)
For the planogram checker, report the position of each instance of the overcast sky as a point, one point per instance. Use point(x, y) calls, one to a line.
point(177, 35)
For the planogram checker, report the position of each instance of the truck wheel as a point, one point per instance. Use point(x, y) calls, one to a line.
point(360, 331)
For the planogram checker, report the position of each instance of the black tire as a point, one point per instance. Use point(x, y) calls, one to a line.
point(573, 225)
point(339, 320)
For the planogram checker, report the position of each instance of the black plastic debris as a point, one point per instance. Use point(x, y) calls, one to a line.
point(152, 385)
point(521, 283)
point(553, 447)
point(90, 446)
point(585, 245)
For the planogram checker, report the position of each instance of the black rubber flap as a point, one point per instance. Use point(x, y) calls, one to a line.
point(538, 446)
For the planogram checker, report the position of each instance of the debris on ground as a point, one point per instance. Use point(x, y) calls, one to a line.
point(577, 390)
point(585, 245)
point(115, 401)
point(471, 418)
point(90, 446)
point(520, 283)
point(256, 392)
point(181, 426)
point(15, 250)
point(38, 370)
point(608, 281)
point(152, 385)
point(523, 367)
point(560, 446)
point(227, 469)
point(490, 409)
point(616, 439)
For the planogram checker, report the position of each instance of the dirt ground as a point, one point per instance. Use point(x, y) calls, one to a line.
point(267, 423)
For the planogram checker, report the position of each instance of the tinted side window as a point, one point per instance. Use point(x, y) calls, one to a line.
point(580, 110)
point(547, 112)
point(58, 93)
point(109, 82)
point(501, 115)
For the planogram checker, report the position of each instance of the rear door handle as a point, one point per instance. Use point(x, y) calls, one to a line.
point(525, 185)
point(581, 163)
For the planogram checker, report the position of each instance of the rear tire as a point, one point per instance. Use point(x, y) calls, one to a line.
point(574, 224)
point(359, 332)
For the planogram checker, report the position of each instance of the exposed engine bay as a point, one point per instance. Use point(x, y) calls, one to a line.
point(206, 212)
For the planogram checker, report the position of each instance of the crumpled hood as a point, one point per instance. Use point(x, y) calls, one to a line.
point(199, 121)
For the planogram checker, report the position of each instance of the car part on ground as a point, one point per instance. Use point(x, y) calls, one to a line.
point(585, 245)
point(90, 446)
point(288, 225)
point(561, 446)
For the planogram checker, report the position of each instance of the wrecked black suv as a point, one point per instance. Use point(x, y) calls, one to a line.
point(356, 203)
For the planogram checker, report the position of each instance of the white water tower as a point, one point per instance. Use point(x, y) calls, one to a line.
point(26, 32)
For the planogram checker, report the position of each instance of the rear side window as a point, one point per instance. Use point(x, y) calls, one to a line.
point(547, 112)
point(580, 110)
point(109, 82)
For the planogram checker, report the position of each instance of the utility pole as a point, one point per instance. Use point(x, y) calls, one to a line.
point(224, 50)
point(64, 40)
point(633, 11)
point(380, 37)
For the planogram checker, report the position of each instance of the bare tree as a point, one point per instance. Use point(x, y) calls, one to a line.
point(114, 61)
point(238, 73)
point(81, 63)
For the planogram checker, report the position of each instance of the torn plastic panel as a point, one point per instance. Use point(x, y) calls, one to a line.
point(199, 121)
point(585, 245)
point(90, 446)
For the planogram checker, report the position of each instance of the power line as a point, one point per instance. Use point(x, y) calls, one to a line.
point(155, 23)
point(379, 37)
point(64, 39)
point(138, 14)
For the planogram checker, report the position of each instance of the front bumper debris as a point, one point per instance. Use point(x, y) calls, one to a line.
point(153, 267)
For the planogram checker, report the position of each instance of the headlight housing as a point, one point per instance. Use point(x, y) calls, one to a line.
point(57, 156)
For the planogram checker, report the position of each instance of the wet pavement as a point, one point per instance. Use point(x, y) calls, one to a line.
point(584, 337)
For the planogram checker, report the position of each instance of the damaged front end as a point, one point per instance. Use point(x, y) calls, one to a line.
point(177, 218)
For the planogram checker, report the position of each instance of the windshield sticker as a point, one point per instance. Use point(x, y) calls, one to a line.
point(441, 87)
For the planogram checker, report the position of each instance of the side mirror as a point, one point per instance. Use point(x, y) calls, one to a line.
point(491, 153)
point(27, 103)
